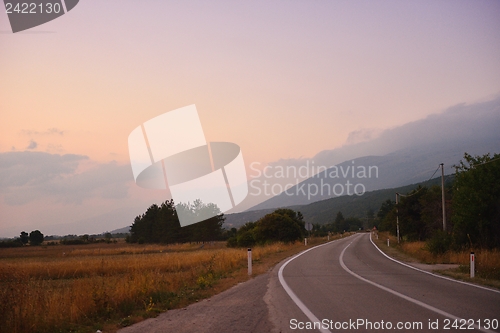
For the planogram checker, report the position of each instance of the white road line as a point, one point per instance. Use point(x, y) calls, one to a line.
point(414, 301)
point(292, 295)
point(436, 275)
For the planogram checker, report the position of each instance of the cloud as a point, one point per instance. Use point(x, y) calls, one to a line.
point(32, 145)
point(28, 176)
point(465, 128)
point(109, 181)
point(55, 131)
point(32, 168)
point(54, 148)
point(459, 125)
point(362, 135)
point(50, 131)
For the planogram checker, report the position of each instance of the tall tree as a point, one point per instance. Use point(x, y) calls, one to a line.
point(24, 238)
point(36, 237)
point(409, 211)
point(160, 224)
point(476, 201)
point(385, 208)
point(339, 224)
point(431, 214)
point(283, 225)
point(353, 224)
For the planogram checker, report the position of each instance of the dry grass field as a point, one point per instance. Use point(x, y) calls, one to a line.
point(83, 288)
point(487, 261)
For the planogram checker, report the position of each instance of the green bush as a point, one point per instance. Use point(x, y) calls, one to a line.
point(11, 243)
point(439, 243)
point(246, 239)
point(232, 242)
point(283, 225)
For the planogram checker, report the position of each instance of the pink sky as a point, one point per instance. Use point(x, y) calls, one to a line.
point(283, 79)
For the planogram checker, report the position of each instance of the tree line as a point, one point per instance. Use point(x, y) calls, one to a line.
point(160, 224)
point(339, 225)
point(472, 209)
point(34, 238)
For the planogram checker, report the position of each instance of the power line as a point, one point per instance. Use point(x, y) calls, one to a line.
point(421, 188)
point(476, 165)
point(452, 174)
point(473, 166)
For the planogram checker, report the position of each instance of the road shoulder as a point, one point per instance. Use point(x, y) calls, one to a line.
point(450, 271)
point(238, 309)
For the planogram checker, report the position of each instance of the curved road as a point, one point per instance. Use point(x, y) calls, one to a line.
point(346, 285)
point(349, 285)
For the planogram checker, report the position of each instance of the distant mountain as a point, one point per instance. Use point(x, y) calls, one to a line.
point(236, 220)
point(123, 230)
point(324, 211)
point(406, 154)
point(403, 167)
point(410, 154)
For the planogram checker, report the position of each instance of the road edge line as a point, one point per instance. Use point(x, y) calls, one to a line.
point(290, 292)
point(430, 273)
point(403, 296)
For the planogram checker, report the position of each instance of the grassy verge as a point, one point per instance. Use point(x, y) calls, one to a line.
point(108, 286)
point(487, 261)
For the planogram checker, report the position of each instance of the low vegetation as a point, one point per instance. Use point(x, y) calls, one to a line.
point(106, 286)
point(75, 288)
point(282, 225)
point(487, 265)
point(472, 209)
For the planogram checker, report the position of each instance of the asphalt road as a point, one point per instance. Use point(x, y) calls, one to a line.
point(346, 285)
point(352, 285)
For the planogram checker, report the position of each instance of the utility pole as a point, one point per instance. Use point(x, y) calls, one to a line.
point(442, 195)
point(397, 215)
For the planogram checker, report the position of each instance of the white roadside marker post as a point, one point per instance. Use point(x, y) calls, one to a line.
point(249, 261)
point(472, 260)
point(387, 241)
point(305, 241)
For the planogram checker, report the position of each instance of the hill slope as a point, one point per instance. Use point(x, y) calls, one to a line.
point(402, 155)
point(324, 211)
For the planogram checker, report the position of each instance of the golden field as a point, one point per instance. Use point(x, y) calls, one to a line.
point(487, 261)
point(82, 288)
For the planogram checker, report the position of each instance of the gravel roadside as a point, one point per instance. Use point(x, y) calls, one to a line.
point(239, 309)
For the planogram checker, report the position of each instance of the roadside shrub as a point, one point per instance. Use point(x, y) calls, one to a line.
point(246, 239)
point(232, 242)
point(439, 243)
